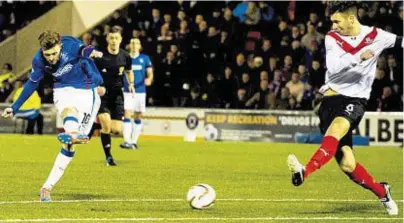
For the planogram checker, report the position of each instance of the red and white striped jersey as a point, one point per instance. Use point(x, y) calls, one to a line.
point(346, 73)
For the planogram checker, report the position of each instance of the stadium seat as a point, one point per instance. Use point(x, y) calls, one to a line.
point(250, 46)
point(254, 35)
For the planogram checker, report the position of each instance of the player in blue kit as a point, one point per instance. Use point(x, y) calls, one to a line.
point(135, 105)
point(76, 94)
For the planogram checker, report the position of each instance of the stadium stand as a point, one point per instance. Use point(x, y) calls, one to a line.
point(221, 54)
point(14, 15)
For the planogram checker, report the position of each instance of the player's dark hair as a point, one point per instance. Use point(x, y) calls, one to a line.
point(343, 7)
point(116, 29)
point(48, 39)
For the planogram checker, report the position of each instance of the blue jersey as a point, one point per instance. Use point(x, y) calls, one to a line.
point(139, 66)
point(72, 69)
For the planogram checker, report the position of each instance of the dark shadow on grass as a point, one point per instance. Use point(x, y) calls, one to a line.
point(86, 197)
point(99, 210)
point(348, 208)
point(117, 161)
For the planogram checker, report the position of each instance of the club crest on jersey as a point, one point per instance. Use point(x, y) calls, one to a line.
point(66, 69)
point(368, 40)
point(121, 70)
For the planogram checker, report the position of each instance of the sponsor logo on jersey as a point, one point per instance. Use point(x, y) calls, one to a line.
point(64, 57)
point(67, 68)
point(137, 67)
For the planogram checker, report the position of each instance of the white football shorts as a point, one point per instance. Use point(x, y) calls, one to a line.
point(136, 103)
point(85, 101)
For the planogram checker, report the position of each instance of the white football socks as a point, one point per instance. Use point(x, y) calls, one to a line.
point(136, 129)
point(127, 130)
point(62, 161)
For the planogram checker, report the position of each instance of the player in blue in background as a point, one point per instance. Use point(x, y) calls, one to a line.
point(136, 104)
point(76, 94)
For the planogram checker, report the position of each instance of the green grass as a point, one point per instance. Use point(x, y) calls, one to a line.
point(163, 170)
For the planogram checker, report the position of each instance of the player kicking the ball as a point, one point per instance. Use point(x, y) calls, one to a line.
point(351, 53)
point(141, 65)
point(76, 97)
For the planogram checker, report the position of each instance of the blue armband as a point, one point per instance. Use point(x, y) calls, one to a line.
point(29, 88)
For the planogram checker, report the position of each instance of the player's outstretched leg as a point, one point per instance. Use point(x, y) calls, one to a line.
point(326, 151)
point(382, 190)
point(358, 174)
point(61, 162)
point(338, 129)
point(387, 200)
point(297, 170)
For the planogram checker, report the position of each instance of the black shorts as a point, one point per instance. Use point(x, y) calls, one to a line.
point(350, 108)
point(112, 103)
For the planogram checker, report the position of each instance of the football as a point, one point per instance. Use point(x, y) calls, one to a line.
point(211, 133)
point(201, 196)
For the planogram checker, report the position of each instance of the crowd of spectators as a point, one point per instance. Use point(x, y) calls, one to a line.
point(14, 15)
point(246, 55)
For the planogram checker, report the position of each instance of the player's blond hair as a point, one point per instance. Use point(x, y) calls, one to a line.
point(48, 39)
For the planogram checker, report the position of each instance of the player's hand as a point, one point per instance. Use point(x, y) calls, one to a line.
point(148, 81)
point(96, 54)
point(7, 113)
point(101, 91)
point(367, 55)
point(132, 89)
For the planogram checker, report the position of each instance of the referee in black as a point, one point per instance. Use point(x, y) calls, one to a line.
point(114, 63)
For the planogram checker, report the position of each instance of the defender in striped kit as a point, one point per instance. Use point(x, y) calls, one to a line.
point(351, 55)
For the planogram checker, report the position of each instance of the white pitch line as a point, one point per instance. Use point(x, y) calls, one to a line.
point(182, 200)
point(204, 219)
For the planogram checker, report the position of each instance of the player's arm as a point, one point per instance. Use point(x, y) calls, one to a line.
point(130, 76)
point(29, 88)
point(335, 63)
point(149, 72)
point(90, 52)
point(80, 49)
point(89, 67)
point(390, 40)
point(150, 76)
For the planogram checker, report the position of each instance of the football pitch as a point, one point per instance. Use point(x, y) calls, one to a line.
point(251, 180)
